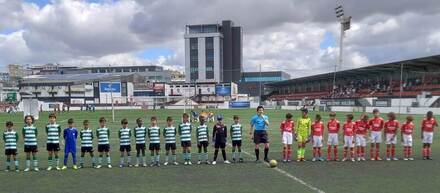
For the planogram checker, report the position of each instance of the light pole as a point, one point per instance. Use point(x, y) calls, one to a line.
point(345, 25)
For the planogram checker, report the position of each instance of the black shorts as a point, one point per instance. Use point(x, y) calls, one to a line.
point(204, 144)
point(53, 147)
point(104, 148)
point(140, 146)
point(86, 149)
point(219, 145)
point(169, 146)
point(154, 146)
point(10, 151)
point(185, 143)
point(30, 148)
point(260, 137)
point(125, 148)
point(236, 143)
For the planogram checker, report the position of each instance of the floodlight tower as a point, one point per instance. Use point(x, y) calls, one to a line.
point(345, 25)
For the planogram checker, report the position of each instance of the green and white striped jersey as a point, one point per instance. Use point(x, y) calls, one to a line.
point(185, 131)
point(139, 134)
point(202, 133)
point(30, 135)
point(103, 135)
point(170, 134)
point(86, 136)
point(124, 136)
point(53, 133)
point(236, 132)
point(154, 134)
point(10, 138)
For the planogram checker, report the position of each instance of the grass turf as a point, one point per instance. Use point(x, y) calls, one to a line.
point(395, 176)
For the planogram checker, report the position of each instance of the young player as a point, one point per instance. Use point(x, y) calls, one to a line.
point(202, 140)
point(30, 133)
point(169, 133)
point(317, 131)
point(286, 129)
point(219, 136)
point(185, 129)
point(333, 127)
point(124, 143)
point(103, 135)
point(376, 126)
point(391, 126)
point(140, 133)
point(349, 131)
point(303, 134)
point(236, 136)
point(53, 131)
point(428, 125)
point(86, 136)
point(70, 135)
point(154, 135)
point(10, 137)
point(259, 124)
point(361, 136)
point(406, 138)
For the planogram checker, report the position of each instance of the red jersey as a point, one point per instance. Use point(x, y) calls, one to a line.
point(407, 128)
point(287, 126)
point(376, 124)
point(333, 126)
point(317, 128)
point(361, 127)
point(391, 126)
point(428, 124)
point(349, 128)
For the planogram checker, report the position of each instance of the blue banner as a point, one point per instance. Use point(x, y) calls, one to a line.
point(222, 90)
point(105, 87)
point(239, 104)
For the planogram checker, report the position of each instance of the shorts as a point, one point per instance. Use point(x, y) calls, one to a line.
point(10, 151)
point(154, 146)
point(125, 148)
point(220, 145)
point(391, 139)
point(407, 140)
point(204, 144)
point(170, 146)
point(53, 147)
point(104, 148)
point(376, 137)
point(332, 139)
point(301, 138)
point(348, 141)
point(185, 143)
point(86, 149)
point(236, 143)
point(427, 137)
point(140, 147)
point(30, 148)
point(287, 138)
point(361, 140)
point(317, 141)
point(260, 137)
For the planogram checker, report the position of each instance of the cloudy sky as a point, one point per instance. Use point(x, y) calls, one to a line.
point(298, 36)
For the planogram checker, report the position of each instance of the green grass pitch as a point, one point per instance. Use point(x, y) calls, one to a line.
point(377, 177)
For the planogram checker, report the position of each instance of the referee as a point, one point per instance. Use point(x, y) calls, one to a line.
point(259, 124)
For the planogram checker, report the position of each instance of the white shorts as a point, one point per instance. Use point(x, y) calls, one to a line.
point(407, 140)
point(376, 137)
point(427, 137)
point(348, 141)
point(361, 140)
point(391, 139)
point(317, 141)
point(332, 139)
point(287, 138)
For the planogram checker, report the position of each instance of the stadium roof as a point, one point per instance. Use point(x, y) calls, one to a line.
point(418, 64)
point(69, 78)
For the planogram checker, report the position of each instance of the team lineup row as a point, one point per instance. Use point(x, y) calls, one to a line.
point(355, 134)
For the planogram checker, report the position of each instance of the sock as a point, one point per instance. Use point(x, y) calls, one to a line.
point(329, 150)
point(174, 157)
point(257, 154)
point(409, 151)
point(152, 159)
point(345, 152)
point(129, 159)
point(239, 154)
point(372, 152)
point(388, 151)
point(157, 158)
point(35, 162)
point(351, 152)
point(424, 151)
point(298, 153)
point(199, 155)
point(284, 153)
point(428, 151)
point(314, 152)
point(49, 161)
point(121, 160)
point(377, 152)
point(266, 151)
point(319, 152)
point(224, 154)
point(206, 156)
point(109, 161)
point(189, 156)
point(289, 153)
point(28, 163)
point(8, 163)
point(138, 159)
point(93, 160)
point(57, 161)
point(215, 154)
point(100, 160)
point(233, 154)
point(335, 152)
point(393, 151)
point(81, 160)
point(16, 164)
point(144, 159)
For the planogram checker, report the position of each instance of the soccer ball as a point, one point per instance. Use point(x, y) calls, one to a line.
point(273, 163)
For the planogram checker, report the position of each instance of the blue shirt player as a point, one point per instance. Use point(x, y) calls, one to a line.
point(259, 125)
point(70, 135)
